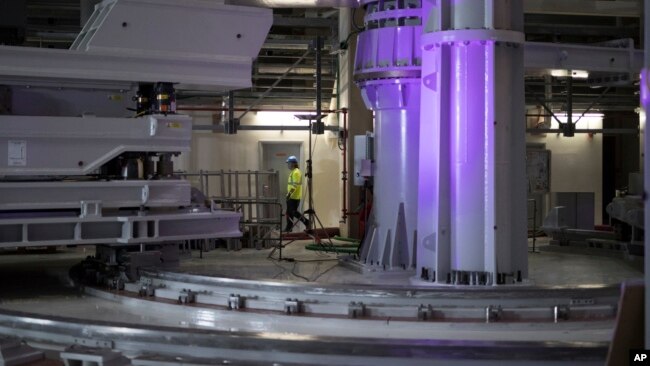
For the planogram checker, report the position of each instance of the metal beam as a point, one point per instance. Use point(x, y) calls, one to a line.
point(296, 3)
point(580, 30)
point(289, 95)
point(539, 55)
point(606, 131)
point(75, 66)
point(168, 226)
point(296, 77)
point(220, 128)
point(279, 79)
point(281, 21)
point(290, 44)
point(111, 194)
point(621, 8)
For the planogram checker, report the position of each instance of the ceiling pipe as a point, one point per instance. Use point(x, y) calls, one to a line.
point(210, 109)
point(296, 3)
point(621, 8)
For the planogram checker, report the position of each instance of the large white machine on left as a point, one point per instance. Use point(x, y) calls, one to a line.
point(109, 180)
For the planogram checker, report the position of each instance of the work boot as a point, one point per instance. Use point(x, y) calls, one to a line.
point(307, 224)
point(289, 226)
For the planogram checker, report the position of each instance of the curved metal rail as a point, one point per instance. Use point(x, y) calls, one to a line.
point(503, 304)
point(147, 345)
point(414, 312)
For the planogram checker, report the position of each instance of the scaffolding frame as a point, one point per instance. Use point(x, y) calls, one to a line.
point(256, 194)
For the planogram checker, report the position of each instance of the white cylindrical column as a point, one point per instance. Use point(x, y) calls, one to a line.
point(472, 193)
point(396, 152)
point(393, 231)
point(387, 70)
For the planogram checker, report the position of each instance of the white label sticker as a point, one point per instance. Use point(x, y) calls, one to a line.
point(17, 154)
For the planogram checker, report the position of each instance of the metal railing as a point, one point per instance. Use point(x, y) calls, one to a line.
point(256, 194)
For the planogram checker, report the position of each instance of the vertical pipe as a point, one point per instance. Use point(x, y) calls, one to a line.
point(201, 182)
point(534, 223)
point(319, 109)
point(568, 132)
point(276, 191)
point(250, 195)
point(569, 98)
point(237, 190)
point(231, 106)
point(319, 78)
point(229, 175)
point(207, 185)
point(344, 177)
point(258, 205)
point(231, 125)
point(257, 195)
point(222, 181)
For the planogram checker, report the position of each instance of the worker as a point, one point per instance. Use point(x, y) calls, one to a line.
point(294, 194)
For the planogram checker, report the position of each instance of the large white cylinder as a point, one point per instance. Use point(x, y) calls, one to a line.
point(387, 70)
point(472, 192)
point(391, 242)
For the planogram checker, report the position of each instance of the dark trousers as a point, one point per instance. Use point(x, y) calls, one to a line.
point(292, 213)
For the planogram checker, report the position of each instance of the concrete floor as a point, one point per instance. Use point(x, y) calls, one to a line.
point(546, 268)
point(38, 272)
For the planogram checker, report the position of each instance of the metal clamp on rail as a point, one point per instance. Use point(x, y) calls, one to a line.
point(147, 290)
point(356, 310)
point(292, 306)
point(425, 312)
point(493, 313)
point(236, 302)
point(560, 312)
point(186, 297)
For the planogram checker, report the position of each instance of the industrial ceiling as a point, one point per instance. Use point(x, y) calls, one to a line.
point(56, 23)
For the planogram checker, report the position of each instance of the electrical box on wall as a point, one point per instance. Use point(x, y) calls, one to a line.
point(363, 157)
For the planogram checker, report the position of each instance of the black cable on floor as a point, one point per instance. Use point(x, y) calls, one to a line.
point(321, 275)
point(297, 275)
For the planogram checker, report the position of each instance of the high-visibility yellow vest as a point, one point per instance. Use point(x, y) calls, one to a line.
point(295, 182)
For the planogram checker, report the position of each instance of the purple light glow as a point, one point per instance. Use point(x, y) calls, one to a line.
point(471, 202)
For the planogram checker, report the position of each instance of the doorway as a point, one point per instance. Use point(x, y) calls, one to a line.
point(273, 155)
